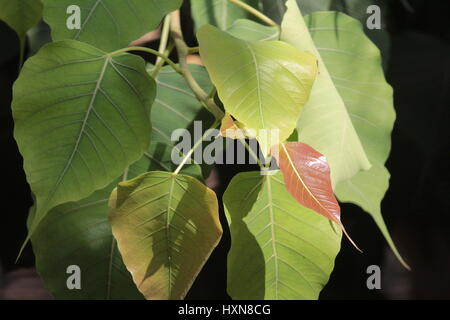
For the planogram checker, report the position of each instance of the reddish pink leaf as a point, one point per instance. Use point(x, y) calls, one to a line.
point(307, 177)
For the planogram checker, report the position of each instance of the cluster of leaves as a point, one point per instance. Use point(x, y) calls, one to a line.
point(93, 124)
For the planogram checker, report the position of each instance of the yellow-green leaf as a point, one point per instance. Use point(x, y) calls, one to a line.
point(264, 85)
point(166, 226)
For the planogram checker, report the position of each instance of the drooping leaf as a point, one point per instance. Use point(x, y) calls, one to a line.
point(166, 226)
point(355, 67)
point(81, 117)
point(252, 31)
point(220, 13)
point(79, 234)
point(110, 24)
point(263, 85)
point(325, 123)
point(21, 15)
point(307, 177)
point(279, 249)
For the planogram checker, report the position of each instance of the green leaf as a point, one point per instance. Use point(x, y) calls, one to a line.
point(325, 123)
point(251, 31)
point(354, 63)
point(220, 13)
point(279, 249)
point(21, 15)
point(166, 227)
point(79, 233)
point(81, 117)
point(263, 85)
point(110, 24)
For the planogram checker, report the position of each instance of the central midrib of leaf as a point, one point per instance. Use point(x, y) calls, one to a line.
point(298, 175)
point(82, 129)
point(272, 229)
point(169, 251)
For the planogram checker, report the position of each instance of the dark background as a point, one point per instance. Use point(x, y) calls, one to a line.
point(416, 207)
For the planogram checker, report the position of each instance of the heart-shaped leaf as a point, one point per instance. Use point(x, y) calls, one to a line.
point(369, 100)
point(81, 117)
point(279, 248)
point(110, 24)
point(263, 85)
point(166, 226)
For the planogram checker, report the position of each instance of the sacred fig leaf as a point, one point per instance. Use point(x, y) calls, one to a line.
point(263, 85)
point(21, 15)
point(354, 63)
point(325, 123)
point(220, 13)
point(81, 117)
point(279, 248)
point(79, 234)
point(252, 31)
point(108, 25)
point(307, 177)
point(166, 226)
